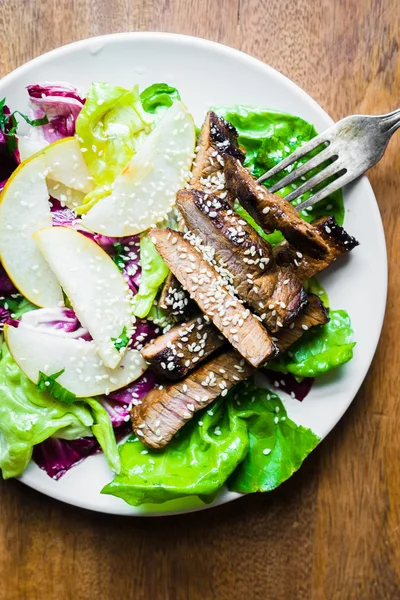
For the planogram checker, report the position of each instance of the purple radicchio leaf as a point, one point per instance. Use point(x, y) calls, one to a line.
point(9, 154)
point(61, 103)
point(59, 321)
point(286, 382)
point(57, 456)
point(135, 392)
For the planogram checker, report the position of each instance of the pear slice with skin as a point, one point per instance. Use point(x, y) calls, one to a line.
point(94, 285)
point(24, 208)
point(84, 373)
point(65, 164)
point(145, 191)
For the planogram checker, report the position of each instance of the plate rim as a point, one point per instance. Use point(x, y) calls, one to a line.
point(31, 479)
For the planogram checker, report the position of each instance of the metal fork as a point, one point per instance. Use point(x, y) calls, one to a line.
point(354, 144)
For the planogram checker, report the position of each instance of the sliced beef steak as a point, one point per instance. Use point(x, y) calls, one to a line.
point(183, 348)
point(164, 411)
point(318, 241)
point(273, 292)
point(216, 138)
point(210, 291)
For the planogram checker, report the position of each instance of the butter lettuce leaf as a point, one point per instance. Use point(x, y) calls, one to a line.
point(109, 128)
point(269, 136)
point(28, 417)
point(158, 97)
point(320, 349)
point(154, 272)
point(224, 443)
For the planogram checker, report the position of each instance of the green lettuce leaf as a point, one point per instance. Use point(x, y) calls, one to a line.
point(313, 286)
point(158, 96)
point(109, 128)
point(320, 349)
point(28, 417)
point(223, 443)
point(154, 271)
point(277, 445)
point(268, 137)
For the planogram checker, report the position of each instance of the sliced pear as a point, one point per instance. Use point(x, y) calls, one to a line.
point(145, 191)
point(94, 285)
point(66, 195)
point(29, 146)
point(84, 373)
point(65, 164)
point(24, 208)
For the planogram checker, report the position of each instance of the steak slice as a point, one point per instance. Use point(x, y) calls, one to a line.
point(211, 293)
point(186, 346)
point(164, 411)
point(338, 241)
point(183, 348)
point(274, 293)
point(217, 138)
point(318, 241)
point(314, 314)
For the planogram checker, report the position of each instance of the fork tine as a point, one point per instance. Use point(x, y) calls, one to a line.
point(326, 191)
point(296, 155)
point(304, 168)
point(330, 170)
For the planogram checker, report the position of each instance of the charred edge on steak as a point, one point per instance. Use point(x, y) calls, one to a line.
point(210, 291)
point(315, 313)
point(274, 293)
point(183, 348)
point(164, 411)
point(337, 239)
point(271, 211)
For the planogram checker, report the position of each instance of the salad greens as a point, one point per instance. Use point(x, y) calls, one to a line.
point(49, 383)
point(122, 341)
point(28, 417)
point(269, 136)
point(158, 96)
point(154, 272)
point(240, 441)
point(245, 440)
point(320, 349)
point(108, 128)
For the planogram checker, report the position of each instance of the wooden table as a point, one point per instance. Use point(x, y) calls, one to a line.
point(331, 532)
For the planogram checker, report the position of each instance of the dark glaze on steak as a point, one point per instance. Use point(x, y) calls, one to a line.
point(318, 241)
point(183, 348)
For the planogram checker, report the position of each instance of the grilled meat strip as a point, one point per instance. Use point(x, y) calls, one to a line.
point(315, 240)
point(314, 314)
point(164, 411)
point(338, 241)
point(212, 295)
point(217, 137)
point(274, 293)
point(183, 348)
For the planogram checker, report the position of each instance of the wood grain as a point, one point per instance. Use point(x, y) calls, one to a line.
point(331, 532)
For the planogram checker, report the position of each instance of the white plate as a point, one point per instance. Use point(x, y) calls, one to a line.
point(209, 74)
